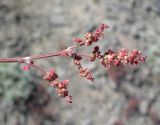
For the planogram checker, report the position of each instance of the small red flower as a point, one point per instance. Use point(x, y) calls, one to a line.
point(88, 39)
point(65, 82)
point(26, 67)
point(90, 77)
point(69, 99)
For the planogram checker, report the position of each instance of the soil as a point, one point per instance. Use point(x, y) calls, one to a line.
point(120, 96)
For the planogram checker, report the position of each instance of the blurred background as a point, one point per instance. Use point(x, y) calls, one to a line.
point(120, 96)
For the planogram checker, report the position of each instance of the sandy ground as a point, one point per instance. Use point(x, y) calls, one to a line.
point(120, 96)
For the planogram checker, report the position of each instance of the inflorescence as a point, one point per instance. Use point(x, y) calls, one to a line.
point(108, 58)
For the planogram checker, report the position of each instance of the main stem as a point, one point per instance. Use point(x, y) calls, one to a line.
point(33, 57)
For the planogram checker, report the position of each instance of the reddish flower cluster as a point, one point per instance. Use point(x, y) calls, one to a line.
point(68, 51)
point(123, 57)
point(83, 72)
point(61, 86)
point(50, 76)
point(90, 38)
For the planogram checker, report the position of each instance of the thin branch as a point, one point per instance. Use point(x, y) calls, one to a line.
point(38, 68)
